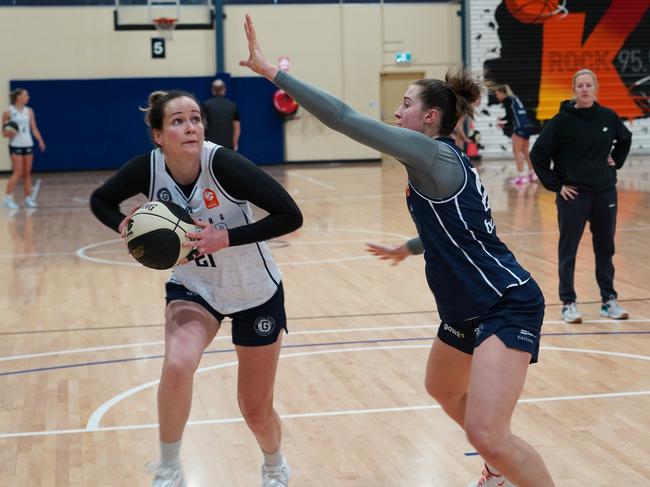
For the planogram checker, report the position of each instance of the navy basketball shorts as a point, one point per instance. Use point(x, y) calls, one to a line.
point(254, 327)
point(516, 319)
point(21, 151)
point(523, 132)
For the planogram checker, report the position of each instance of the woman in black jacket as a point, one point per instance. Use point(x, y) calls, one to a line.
point(587, 143)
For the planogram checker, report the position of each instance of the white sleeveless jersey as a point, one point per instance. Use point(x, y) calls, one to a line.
point(231, 279)
point(24, 136)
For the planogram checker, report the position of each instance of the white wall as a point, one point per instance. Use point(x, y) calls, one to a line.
point(341, 48)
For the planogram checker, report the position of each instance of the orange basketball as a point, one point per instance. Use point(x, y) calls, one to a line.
point(533, 11)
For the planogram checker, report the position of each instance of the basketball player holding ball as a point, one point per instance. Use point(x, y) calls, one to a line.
point(21, 146)
point(491, 308)
point(234, 273)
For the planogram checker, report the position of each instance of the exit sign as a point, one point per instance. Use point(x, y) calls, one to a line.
point(403, 57)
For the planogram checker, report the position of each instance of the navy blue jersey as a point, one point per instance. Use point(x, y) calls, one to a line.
point(467, 267)
point(516, 113)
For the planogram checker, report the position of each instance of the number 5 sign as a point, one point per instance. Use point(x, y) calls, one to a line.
point(157, 48)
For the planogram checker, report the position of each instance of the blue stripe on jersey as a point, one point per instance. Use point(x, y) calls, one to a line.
point(467, 267)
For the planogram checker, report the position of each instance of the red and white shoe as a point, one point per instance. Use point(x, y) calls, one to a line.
point(488, 479)
point(532, 177)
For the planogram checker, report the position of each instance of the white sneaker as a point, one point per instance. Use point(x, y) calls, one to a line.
point(277, 475)
point(9, 202)
point(489, 480)
point(611, 309)
point(30, 202)
point(167, 475)
point(570, 313)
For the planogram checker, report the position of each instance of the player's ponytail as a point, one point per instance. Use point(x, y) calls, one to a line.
point(466, 89)
point(453, 97)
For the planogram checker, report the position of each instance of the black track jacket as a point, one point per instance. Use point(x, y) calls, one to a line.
point(578, 141)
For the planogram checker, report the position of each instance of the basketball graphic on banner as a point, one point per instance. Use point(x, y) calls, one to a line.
point(535, 11)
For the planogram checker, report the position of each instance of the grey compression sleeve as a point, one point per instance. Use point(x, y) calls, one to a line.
point(433, 167)
point(414, 245)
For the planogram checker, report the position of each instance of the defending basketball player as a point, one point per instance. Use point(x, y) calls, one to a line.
point(21, 146)
point(234, 274)
point(491, 308)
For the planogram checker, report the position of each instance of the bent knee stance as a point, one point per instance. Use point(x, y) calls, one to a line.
point(178, 370)
point(489, 441)
point(258, 417)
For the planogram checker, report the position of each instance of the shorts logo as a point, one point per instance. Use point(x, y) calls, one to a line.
point(210, 198)
point(264, 325)
point(453, 331)
point(164, 195)
point(526, 336)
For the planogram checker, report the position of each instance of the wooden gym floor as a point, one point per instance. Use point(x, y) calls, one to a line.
point(81, 347)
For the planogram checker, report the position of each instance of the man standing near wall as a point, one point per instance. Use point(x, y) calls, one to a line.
point(223, 125)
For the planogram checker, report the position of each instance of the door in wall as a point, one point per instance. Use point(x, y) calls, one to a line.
point(393, 86)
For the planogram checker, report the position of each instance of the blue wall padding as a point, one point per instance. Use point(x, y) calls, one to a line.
point(91, 124)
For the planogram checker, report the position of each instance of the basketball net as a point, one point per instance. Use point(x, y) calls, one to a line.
point(165, 27)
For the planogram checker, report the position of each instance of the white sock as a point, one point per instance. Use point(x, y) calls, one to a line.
point(170, 453)
point(492, 470)
point(523, 174)
point(273, 459)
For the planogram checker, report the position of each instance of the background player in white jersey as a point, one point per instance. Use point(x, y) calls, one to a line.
point(489, 305)
point(234, 274)
point(21, 146)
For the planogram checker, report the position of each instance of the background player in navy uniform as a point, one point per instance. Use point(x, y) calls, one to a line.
point(21, 146)
point(517, 121)
point(478, 285)
point(234, 275)
point(587, 143)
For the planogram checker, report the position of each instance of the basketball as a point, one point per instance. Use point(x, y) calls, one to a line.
point(156, 233)
point(10, 128)
point(534, 11)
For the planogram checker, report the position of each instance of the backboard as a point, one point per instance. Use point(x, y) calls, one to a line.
point(140, 14)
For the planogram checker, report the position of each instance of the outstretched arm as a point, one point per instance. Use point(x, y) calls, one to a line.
point(396, 253)
point(408, 146)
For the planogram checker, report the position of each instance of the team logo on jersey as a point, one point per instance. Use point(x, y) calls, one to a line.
point(264, 325)
point(210, 198)
point(489, 225)
point(164, 195)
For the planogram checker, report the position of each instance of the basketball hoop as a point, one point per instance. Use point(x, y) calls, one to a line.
point(165, 27)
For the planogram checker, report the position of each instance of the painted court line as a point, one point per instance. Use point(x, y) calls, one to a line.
point(431, 326)
point(96, 417)
point(314, 415)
